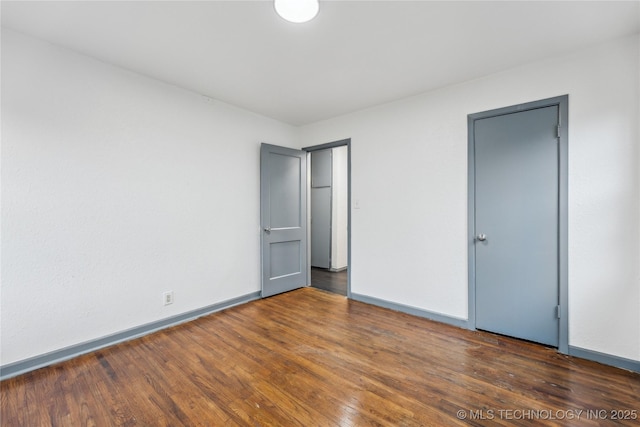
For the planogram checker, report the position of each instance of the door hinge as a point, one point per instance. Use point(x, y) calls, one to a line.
point(558, 311)
point(558, 131)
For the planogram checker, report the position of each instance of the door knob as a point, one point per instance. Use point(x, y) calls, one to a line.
point(267, 229)
point(481, 237)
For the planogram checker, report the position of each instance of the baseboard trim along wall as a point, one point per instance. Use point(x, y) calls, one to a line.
point(606, 359)
point(23, 366)
point(442, 318)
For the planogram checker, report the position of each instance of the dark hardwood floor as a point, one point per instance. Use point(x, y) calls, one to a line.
point(312, 358)
point(335, 282)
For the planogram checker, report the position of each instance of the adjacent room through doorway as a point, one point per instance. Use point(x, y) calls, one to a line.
point(329, 203)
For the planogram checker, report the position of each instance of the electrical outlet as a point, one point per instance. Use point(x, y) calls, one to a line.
point(167, 297)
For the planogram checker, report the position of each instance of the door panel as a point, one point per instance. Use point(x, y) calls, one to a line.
point(284, 190)
point(283, 216)
point(516, 207)
point(321, 169)
point(321, 227)
point(285, 259)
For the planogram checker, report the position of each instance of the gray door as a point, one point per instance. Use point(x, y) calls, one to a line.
point(283, 215)
point(321, 208)
point(516, 224)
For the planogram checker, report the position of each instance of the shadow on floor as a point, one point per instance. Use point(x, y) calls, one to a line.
point(335, 282)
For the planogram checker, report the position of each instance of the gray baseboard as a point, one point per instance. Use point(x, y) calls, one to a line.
point(337, 270)
point(605, 359)
point(23, 366)
point(30, 364)
point(442, 318)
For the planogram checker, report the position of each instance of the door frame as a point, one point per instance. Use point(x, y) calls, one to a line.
point(562, 102)
point(340, 143)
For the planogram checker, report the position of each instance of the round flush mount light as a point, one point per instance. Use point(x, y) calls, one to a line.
point(297, 11)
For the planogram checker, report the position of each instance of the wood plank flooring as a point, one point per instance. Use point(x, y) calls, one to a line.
point(311, 358)
point(331, 281)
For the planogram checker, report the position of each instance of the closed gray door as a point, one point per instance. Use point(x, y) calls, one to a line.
point(283, 215)
point(321, 208)
point(516, 224)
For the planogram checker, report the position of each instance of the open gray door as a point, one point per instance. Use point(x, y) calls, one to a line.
point(283, 216)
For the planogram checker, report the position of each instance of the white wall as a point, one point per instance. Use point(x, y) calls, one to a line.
point(409, 176)
point(339, 212)
point(116, 188)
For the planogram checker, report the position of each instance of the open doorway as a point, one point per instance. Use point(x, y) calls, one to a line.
point(329, 218)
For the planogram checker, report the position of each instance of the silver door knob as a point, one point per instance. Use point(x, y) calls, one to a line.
point(481, 237)
point(267, 229)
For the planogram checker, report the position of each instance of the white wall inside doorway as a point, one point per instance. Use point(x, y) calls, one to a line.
point(339, 212)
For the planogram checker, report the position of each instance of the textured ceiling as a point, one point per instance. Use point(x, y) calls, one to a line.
point(354, 55)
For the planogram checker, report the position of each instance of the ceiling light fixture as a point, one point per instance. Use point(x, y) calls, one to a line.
point(297, 11)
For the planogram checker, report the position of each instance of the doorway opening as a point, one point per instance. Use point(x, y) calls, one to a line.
point(329, 221)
